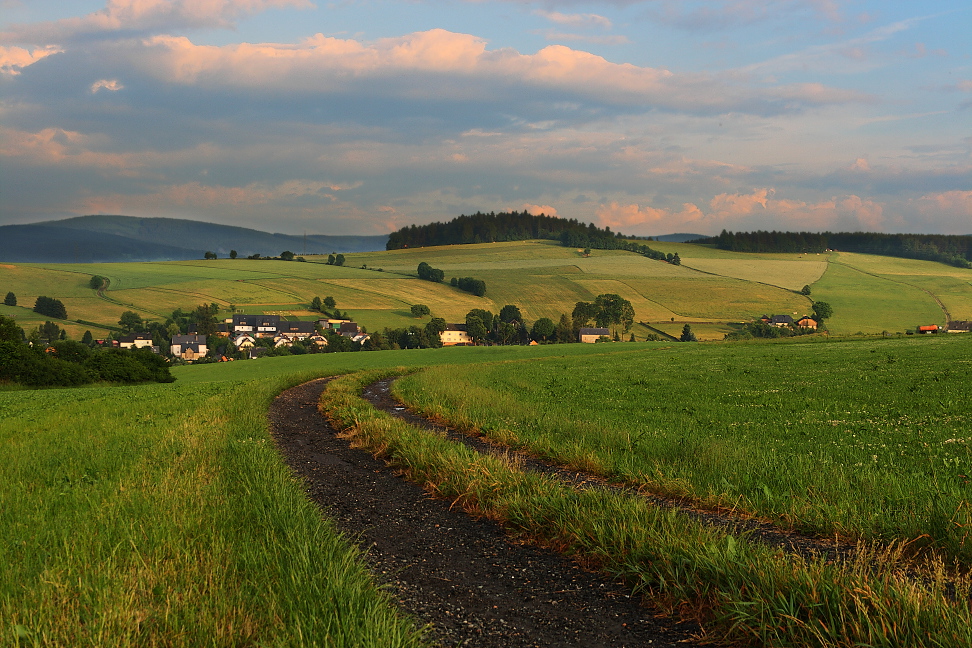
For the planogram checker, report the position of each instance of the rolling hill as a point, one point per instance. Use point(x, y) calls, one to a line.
point(713, 290)
point(109, 239)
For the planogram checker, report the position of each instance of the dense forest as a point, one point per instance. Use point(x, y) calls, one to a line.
point(944, 248)
point(514, 226)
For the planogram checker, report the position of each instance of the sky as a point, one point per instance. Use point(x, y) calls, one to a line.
point(361, 117)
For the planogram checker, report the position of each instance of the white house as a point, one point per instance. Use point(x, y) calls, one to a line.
point(188, 347)
point(454, 335)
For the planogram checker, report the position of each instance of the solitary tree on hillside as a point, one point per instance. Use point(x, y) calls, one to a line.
point(209, 255)
point(96, 282)
point(316, 304)
point(329, 302)
point(287, 255)
point(805, 291)
point(687, 334)
point(10, 299)
point(233, 254)
point(50, 307)
point(420, 310)
point(339, 260)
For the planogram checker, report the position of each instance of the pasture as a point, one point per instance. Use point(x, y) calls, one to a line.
point(162, 514)
point(712, 289)
point(866, 440)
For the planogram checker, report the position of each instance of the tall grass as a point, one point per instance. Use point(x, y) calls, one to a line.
point(162, 516)
point(867, 439)
point(747, 593)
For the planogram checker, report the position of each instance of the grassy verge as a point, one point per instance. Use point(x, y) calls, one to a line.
point(747, 592)
point(867, 439)
point(162, 516)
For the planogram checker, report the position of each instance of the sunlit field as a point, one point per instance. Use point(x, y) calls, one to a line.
point(712, 289)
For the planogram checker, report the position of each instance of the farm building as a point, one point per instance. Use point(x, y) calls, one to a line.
point(959, 327)
point(591, 335)
point(807, 323)
point(781, 320)
point(455, 334)
point(296, 330)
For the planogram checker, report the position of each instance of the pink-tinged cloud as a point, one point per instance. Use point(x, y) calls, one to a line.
point(145, 16)
point(415, 66)
point(620, 216)
point(949, 204)
point(15, 59)
point(757, 210)
point(537, 210)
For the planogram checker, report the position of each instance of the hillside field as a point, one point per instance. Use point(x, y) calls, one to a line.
point(712, 290)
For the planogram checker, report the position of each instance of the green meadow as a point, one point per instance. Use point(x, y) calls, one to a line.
point(608, 413)
point(162, 514)
point(870, 441)
point(712, 290)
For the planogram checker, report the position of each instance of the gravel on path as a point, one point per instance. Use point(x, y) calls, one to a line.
point(464, 577)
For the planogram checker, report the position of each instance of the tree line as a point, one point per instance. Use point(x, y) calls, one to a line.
point(951, 249)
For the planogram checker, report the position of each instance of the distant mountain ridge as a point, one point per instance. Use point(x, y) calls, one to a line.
point(107, 239)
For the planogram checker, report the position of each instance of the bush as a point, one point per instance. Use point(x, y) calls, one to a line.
point(20, 364)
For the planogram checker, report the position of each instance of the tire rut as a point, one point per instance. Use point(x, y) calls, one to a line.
point(466, 578)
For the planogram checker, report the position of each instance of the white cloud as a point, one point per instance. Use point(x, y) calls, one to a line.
point(111, 85)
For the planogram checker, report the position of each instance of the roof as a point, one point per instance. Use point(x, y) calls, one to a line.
point(594, 331)
point(297, 327)
point(348, 327)
point(781, 319)
point(188, 339)
point(455, 327)
point(959, 326)
point(132, 337)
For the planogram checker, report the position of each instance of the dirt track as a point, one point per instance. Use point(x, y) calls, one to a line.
point(462, 576)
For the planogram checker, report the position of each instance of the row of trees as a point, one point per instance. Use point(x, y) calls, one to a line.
point(944, 248)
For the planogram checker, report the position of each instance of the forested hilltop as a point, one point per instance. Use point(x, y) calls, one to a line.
point(944, 248)
point(493, 227)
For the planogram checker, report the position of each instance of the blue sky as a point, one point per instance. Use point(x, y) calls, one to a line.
point(350, 117)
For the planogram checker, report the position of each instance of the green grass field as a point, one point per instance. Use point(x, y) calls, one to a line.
point(162, 514)
point(748, 593)
point(868, 440)
point(712, 289)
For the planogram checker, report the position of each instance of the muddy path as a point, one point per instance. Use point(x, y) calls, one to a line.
point(464, 577)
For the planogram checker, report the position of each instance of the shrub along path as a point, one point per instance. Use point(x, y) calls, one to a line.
point(460, 575)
